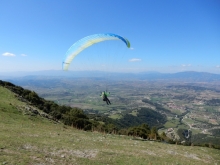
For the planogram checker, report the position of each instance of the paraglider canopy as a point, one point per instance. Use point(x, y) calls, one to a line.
point(85, 42)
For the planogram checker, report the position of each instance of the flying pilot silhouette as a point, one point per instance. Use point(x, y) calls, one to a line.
point(104, 96)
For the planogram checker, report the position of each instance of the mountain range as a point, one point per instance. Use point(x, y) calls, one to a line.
point(189, 76)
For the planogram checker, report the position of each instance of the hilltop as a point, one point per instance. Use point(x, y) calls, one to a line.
point(28, 137)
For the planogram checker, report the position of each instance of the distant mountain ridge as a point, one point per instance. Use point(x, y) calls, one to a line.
point(183, 76)
point(179, 76)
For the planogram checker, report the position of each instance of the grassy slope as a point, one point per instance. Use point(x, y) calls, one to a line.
point(26, 139)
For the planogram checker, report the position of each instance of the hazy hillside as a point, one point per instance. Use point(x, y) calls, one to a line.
point(29, 138)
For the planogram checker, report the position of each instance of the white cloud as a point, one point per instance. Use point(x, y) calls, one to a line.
point(218, 66)
point(186, 65)
point(24, 55)
point(131, 48)
point(134, 60)
point(8, 54)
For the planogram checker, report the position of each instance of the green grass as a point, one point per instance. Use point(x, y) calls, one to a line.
point(189, 120)
point(176, 111)
point(211, 109)
point(26, 139)
point(172, 123)
point(183, 126)
point(202, 120)
point(156, 99)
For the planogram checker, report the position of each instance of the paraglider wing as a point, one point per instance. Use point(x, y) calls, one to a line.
point(84, 43)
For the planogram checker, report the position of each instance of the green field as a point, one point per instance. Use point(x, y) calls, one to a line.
point(171, 123)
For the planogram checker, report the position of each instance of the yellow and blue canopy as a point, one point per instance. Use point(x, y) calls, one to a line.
point(85, 42)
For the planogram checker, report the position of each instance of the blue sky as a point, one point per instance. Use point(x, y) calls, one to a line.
point(165, 35)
